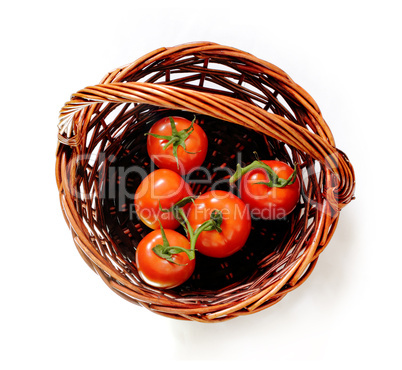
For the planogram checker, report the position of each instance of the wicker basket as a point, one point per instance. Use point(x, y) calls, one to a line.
point(244, 104)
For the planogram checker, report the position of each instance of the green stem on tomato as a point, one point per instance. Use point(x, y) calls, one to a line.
point(274, 180)
point(178, 138)
point(166, 251)
point(176, 207)
point(214, 223)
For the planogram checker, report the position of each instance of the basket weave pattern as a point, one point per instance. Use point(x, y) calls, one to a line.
point(243, 103)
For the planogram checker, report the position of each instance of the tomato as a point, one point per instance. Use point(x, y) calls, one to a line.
point(235, 226)
point(177, 144)
point(265, 202)
point(160, 272)
point(161, 188)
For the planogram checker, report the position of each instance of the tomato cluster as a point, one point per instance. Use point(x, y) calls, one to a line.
point(216, 223)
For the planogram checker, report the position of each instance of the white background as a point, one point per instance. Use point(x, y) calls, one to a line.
point(57, 314)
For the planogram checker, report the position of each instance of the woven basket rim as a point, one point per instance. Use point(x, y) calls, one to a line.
point(315, 140)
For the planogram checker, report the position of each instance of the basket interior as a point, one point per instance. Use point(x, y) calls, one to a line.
point(123, 174)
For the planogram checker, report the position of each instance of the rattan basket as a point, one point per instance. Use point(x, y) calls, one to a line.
point(244, 105)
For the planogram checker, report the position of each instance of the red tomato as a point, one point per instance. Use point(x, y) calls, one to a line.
point(236, 223)
point(160, 188)
point(269, 203)
point(157, 271)
point(191, 145)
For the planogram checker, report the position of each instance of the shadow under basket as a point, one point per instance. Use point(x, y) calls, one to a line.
point(244, 105)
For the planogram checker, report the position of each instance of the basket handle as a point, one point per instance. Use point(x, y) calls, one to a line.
point(340, 180)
